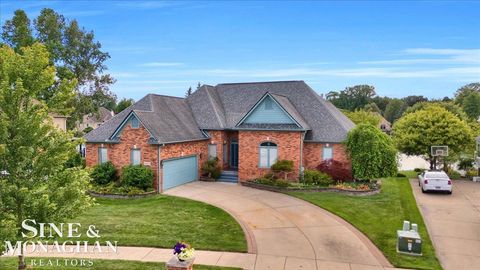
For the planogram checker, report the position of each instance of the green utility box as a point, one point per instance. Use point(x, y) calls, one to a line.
point(409, 241)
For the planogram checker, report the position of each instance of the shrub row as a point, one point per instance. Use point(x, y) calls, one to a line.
point(137, 176)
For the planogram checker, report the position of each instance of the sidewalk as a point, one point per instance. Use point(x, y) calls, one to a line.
point(217, 258)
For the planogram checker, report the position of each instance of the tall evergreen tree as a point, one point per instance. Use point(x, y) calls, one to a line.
point(189, 92)
point(75, 54)
point(17, 32)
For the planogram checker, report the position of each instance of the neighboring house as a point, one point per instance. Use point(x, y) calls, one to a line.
point(385, 126)
point(95, 120)
point(247, 126)
point(60, 121)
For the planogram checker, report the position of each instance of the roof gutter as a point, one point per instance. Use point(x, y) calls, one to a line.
point(172, 142)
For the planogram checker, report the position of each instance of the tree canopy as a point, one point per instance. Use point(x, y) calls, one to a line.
point(372, 153)
point(363, 116)
point(36, 181)
point(73, 51)
point(417, 131)
point(471, 105)
point(394, 110)
point(447, 105)
point(352, 98)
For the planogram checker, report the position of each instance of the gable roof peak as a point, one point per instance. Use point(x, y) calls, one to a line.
point(261, 82)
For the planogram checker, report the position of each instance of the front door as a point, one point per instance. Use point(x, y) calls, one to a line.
point(234, 154)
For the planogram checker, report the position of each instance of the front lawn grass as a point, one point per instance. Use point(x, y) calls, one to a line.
point(162, 221)
point(379, 217)
point(11, 263)
point(410, 174)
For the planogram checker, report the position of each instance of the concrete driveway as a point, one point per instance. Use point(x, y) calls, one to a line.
point(285, 232)
point(453, 222)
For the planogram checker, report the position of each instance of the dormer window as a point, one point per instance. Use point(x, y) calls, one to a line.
point(134, 122)
point(268, 104)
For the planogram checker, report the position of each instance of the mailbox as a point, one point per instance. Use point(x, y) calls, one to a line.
point(409, 241)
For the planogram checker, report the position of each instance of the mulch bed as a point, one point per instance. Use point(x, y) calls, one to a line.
point(317, 189)
point(121, 196)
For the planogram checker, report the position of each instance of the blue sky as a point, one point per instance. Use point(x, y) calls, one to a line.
point(402, 48)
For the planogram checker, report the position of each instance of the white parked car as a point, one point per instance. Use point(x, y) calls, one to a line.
point(435, 181)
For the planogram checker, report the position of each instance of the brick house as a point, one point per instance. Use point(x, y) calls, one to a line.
point(247, 126)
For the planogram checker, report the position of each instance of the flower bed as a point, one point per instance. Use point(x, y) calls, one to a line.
point(113, 191)
point(352, 188)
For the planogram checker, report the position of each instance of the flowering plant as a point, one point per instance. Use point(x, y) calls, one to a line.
point(183, 251)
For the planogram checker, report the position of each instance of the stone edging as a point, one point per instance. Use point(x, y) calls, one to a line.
point(326, 189)
point(121, 196)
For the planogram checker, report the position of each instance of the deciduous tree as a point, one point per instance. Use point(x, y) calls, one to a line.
point(372, 153)
point(123, 104)
point(362, 116)
point(416, 132)
point(471, 105)
point(35, 181)
point(75, 54)
point(394, 110)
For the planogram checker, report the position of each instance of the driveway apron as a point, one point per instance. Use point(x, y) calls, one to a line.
point(286, 232)
point(453, 222)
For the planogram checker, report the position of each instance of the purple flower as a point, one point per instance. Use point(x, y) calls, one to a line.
point(177, 249)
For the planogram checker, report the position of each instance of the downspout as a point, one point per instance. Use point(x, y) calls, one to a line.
point(301, 154)
point(158, 170)
point(159, 175)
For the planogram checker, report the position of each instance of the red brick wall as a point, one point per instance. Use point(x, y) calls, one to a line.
point(198, 148)
point(288, 143)
point(217, 138)
point(119, 153)
point(312, 154)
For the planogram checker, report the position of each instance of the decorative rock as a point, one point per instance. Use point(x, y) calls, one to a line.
point(175, 264)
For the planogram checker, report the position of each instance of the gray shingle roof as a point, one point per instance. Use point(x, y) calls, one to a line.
point(325, 121)
point(168, 119)
point(171, 119)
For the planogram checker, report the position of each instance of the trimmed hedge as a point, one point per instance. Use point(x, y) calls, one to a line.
point(314, 177)
point(104, 173)
point(138, 176)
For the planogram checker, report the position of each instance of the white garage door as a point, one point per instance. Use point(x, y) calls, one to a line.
point(179, 171)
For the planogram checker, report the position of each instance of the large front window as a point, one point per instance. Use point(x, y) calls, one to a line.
point(102, 155)
point(212, 151)
point(327, 152)
point(135, 157)
point(268, 154)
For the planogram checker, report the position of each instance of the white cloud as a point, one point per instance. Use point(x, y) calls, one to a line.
point(145, 4)
point(161, 64)
point(435, 56)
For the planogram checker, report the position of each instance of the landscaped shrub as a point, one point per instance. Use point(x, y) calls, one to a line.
point(466, 164)
point(104, 173)
point(138, 176)
point(283, 166)
point(273, 182)
point(419, 170)
point(454, 174)
point(75, 161)
point(372, 153)
point(471, 173)
point(339, 171)
point(401, 175)
point(211, 169)
point(314, 177)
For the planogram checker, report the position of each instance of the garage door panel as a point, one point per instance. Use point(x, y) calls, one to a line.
point(179, 171)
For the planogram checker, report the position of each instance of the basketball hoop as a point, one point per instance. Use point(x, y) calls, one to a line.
point(439, 150)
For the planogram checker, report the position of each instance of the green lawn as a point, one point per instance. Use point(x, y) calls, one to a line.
point(161, 221)
point(12, 263)
point(379, 217)
point(410, 174)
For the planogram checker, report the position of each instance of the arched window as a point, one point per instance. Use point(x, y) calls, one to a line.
point(268, 154)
